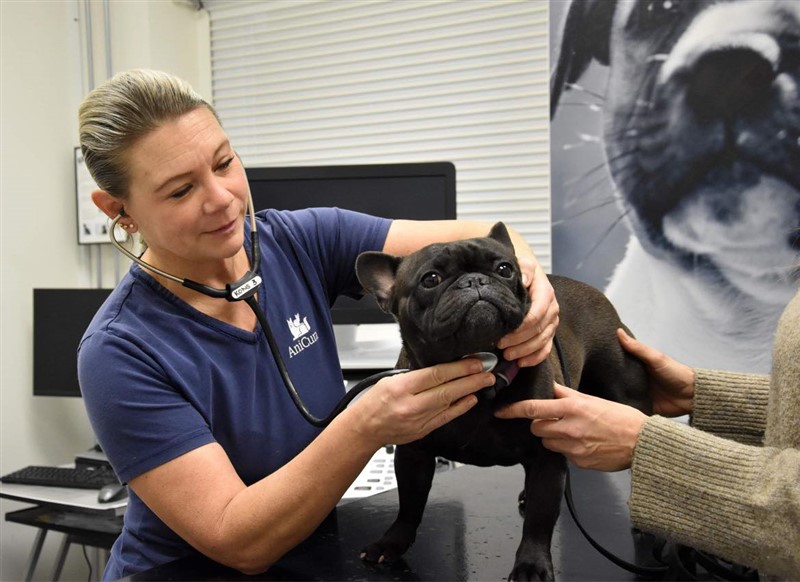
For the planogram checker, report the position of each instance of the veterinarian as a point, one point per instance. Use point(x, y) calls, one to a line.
point(730, 483)
point(181, 389)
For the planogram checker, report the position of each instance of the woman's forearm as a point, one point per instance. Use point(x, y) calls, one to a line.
point(731, 405)
point(270, 517)
point(736, 501)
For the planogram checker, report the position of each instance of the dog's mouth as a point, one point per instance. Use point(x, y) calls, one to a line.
point(482, 326)
point(477, 325)
point(744, 223)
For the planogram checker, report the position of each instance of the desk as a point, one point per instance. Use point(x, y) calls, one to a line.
point(73, 512)
point(470, 531)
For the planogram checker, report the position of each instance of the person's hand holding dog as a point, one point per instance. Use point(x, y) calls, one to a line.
point(531, 342)
point(407, 407)
point(595, 433)
point(671, 383)
point(591, 432)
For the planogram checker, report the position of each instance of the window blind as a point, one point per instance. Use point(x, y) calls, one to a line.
point(324, 82)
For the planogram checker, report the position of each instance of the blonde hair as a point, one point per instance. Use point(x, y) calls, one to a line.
point(122, 110)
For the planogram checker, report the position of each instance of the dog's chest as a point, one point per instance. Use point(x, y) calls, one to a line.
point(479, 438)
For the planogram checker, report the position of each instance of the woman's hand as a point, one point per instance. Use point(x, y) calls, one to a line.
point(591, 432)
point(671, 383)
point(531, 342)
point(406, 407)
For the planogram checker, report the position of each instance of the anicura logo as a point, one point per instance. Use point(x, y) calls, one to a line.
point(301, 332)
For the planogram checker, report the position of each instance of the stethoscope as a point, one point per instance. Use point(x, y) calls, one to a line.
point(245, 289)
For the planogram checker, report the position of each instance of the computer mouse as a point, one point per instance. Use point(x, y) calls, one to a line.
point(112, 492)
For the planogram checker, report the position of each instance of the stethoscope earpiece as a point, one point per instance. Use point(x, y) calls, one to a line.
point(236, 291)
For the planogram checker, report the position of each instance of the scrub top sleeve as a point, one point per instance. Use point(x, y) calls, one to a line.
point(139, 419)
point(342, 236)
point(331, 239)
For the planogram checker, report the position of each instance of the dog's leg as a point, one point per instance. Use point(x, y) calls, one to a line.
point(544, 486)
point(414, 469)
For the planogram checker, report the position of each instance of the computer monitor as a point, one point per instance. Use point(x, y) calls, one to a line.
point(60, 318)
point(419, 191)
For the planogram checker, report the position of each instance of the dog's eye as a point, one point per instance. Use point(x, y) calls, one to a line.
point(651, 15)
point(431, 279)
point(505, 270)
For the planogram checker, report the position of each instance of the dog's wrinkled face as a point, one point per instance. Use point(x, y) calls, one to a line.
point(450, 299)
point(702, 131)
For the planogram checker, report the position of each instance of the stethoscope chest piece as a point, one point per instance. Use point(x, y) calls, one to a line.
point(487, 359)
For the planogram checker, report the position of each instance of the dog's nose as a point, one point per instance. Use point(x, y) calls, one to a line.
point(729, 82)
point(472, 280)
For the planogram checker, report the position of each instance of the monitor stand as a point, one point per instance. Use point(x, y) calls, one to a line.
point(367, 346)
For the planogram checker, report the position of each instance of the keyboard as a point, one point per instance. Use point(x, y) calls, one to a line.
point(77, 477)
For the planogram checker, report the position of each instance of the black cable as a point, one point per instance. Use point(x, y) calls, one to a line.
point(88, 563)
point(633, 568)
point(721, 568)
point(684, 559)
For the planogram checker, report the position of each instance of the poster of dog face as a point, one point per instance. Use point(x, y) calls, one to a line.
point(676, 167)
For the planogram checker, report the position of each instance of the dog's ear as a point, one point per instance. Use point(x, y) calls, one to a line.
point(499, 233)
point(586, 35)
point(377, 273)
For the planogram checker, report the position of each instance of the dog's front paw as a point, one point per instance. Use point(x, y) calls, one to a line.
point(390, 547)
point(540, 569)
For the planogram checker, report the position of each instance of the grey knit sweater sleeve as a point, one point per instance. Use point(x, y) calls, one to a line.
point(731, 405)
point(737, 501)
point(730, 496)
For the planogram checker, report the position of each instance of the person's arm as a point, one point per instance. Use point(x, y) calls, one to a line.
point(530, 344)
point(200, 496)
point(728, 404)
point(731, 405)
point(737, 501)
point(592, 432)
point(600, 434)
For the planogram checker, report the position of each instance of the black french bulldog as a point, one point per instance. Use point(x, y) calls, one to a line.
point(459, 298)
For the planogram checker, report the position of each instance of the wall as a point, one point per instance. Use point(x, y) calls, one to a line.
point(353, 82)
point(43, 79)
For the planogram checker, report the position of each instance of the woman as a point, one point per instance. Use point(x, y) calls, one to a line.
point(181, 389)
point(730, 484)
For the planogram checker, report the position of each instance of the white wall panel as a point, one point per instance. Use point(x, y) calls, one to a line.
point(322, 82)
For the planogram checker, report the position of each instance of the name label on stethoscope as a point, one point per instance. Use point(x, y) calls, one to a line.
point(245, 289)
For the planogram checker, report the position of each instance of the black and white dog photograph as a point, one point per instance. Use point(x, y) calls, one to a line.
point(676, 167)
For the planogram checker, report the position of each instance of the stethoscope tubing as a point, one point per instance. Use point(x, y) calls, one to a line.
point(290, 387)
